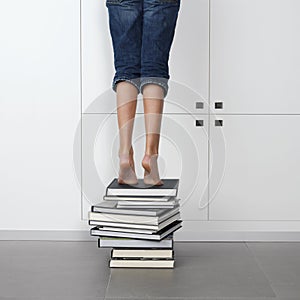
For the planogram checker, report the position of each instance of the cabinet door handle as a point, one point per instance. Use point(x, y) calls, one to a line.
point(218, 122)
point(199, 122)
point(218, 105)
point(199, 105)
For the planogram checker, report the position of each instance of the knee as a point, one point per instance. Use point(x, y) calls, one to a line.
point(154, 87)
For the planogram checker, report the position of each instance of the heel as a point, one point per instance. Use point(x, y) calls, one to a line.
point(127, 172)
point(151, 174)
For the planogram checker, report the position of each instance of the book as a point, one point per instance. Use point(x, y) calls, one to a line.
point(153, 220)
point(146, 204)
point(111, 207)
point(137, 198)
point(141, 263)
point(142, 253)
point(169, 188)
point(122, 242)
point(148, 207)
point(159, 235)
point(132, 230)
point(140, 230)
point(157, 227)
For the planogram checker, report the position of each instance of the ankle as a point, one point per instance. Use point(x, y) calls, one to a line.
point(127, 151)
point(151, 153)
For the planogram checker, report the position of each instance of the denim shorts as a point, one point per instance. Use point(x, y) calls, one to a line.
point(142, 33)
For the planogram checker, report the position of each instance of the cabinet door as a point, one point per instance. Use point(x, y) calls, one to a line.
point(182, 154)
point(260, 180)
point(255, 56)
point(39, 112)
point(188, 63)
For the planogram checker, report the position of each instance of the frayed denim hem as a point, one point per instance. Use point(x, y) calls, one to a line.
point(134, 81)
point(163, 82)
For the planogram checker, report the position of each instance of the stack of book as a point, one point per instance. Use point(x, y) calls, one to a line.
point(138, 222)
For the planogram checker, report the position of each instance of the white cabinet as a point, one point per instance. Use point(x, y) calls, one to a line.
point(238, 176)
point(188, 92)
point(182, 154)
point(260, 180)
point(39, 112)
point(255, 61)
point(255, 73)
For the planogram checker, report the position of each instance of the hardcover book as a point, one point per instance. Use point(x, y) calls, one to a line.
point(157, 227)
point(138, 198)
point(136, 219)
point(169, 188)
point(144, 263)
point(121, 242)
point(148, 204)
point(111, 207)
point(95, 231)
point(142, 253)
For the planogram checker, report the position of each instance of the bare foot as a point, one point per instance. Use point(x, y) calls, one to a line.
point(151, 175)
point(127, 170)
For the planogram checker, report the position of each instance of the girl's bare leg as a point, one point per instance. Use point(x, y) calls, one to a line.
point(153, 97)
point(126, 102)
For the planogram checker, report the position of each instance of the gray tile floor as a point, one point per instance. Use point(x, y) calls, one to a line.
point(33, 270)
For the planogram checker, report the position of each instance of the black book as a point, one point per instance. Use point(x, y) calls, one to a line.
point(159, 235)
point(169, 188)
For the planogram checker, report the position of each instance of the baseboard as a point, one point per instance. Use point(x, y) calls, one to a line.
point(238, 236)
point(46, 235)
point(186, 236)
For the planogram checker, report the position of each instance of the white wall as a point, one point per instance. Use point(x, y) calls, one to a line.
point(39, 113)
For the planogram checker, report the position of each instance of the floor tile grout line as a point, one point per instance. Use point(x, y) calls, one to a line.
point(198, 298)
point(261, 268)
point(109, 278)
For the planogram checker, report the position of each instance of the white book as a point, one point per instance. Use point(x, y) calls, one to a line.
point(138, 198)
point(148, 203)
point(133, 230)
point(153, 220)
point(121, 242)
point(121, 226)
point(135, 263)
point(111, 207)
point(142, 253)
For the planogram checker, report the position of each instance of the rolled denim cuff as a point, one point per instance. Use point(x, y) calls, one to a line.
point(134, 81)
point(163, 82)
